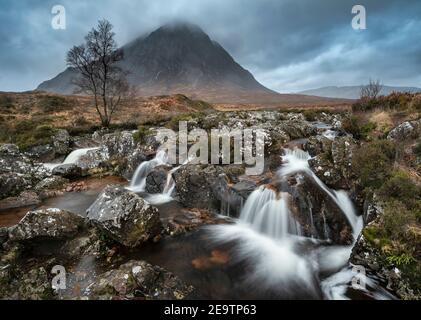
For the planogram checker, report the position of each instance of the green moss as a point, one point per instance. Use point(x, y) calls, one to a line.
point(141, 133)
point(373, 162)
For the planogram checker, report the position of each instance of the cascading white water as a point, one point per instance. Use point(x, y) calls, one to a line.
point(267, 234)
point(268, 213)
point(138, 182)
point(72, 158)
point(297, 161)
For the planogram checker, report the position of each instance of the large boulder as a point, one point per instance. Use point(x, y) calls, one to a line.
point(125, 217)
point(52, 223)
point(200, 186)
point(141, 280)
point(406, 130)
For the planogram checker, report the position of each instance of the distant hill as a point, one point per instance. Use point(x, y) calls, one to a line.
point(352, 92)
point(181, 58)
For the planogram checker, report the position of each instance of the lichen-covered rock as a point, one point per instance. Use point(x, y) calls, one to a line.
point(52, 223)
point(333, 164)
point(200, 186)
point(69, 171)
point(406, 130)
point(372, 208)
point(141, 280)
point(26, 198)
point(17, 171)
point(125, 217)
point(61, 142)
point(51, 183)
point(157, 179)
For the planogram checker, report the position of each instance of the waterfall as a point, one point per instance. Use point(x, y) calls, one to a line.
point(72, 158)
point(297, 161)
point(268, 213)
point(138, 182)
point(269, 239)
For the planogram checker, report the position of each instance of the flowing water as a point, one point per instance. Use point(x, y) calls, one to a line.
point(262, 254)
point(72, 158)
point(268, 239)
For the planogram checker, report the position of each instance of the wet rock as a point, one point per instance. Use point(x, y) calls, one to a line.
point(26, 198)
point(52, 223)
point(157, 179)
point(51, 183)
point(141, 280)
point(200, 186)
point(125, 217)
point(406, 130)
point(34, 285)
point(69, 171)
point(244, 188)
point(132, 162)
point(317, 212)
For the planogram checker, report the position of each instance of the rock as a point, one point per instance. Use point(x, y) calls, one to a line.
point(200, 186)
point(139, 279)
point(11, 184)
point(26, 198)
point(406, 130)
point(372, 208)
point(4, 236)
point(157, 179)
point(133, 161)
point(69, 171)
point(52, 223)
point(244, 188)
point(51, 183)
point(9, 148)
point(61, 142)
point(125, 217)
point(318, 214)
point(333, 164)
point(35, 285)
point(42, 153)
point(17, 171)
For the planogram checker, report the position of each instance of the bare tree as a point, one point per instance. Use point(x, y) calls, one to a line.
point(372, 90)
point(99, 76)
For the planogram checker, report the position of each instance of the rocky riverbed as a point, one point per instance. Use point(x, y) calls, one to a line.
point(117, 242)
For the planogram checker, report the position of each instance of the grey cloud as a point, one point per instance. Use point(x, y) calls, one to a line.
point(288, 45)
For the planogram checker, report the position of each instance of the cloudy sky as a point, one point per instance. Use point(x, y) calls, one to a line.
point(289, 45)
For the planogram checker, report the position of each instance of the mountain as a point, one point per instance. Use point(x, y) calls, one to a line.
point(352, 92)
point(181, 58)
